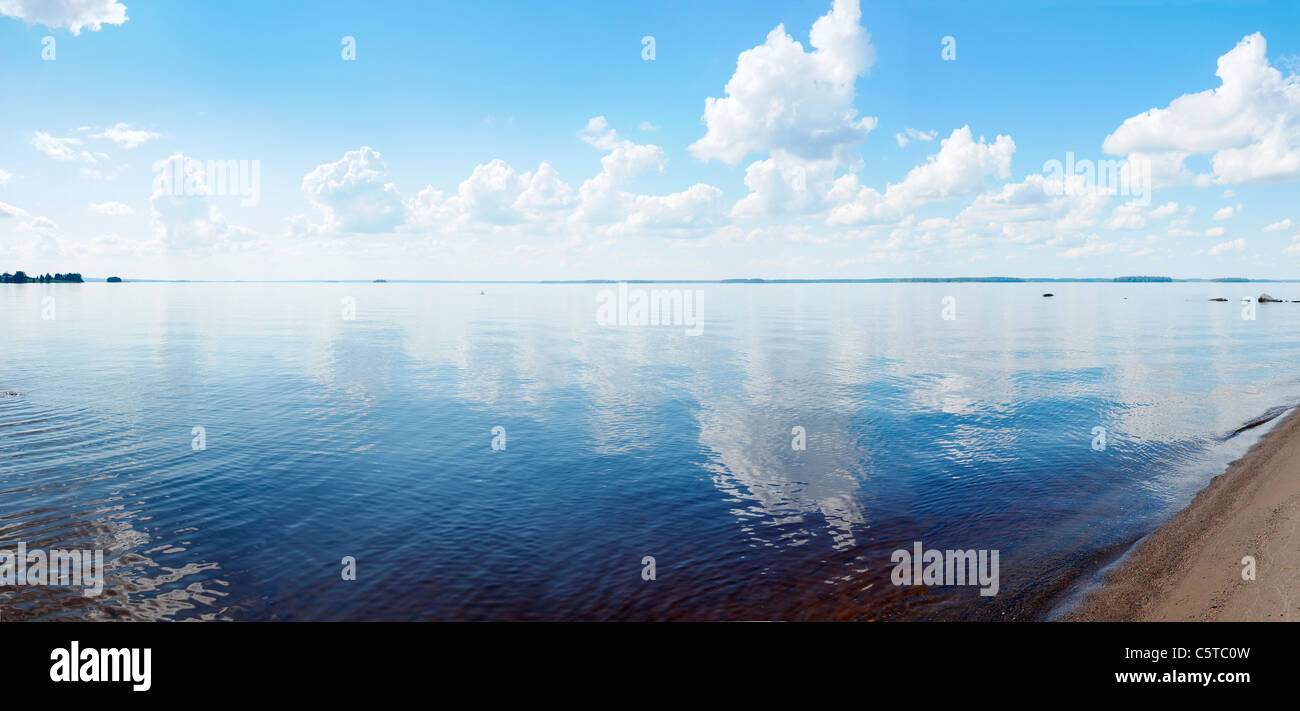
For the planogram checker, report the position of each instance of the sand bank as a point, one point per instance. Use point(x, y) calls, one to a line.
point(1191, 568)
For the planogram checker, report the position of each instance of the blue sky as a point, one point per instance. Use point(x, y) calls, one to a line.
point(536, 141)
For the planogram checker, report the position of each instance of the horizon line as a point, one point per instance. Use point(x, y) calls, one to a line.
point(740, 280)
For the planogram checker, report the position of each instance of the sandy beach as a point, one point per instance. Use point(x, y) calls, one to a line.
point(1192, 567)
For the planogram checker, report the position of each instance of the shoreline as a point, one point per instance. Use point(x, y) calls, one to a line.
point(1191, 568)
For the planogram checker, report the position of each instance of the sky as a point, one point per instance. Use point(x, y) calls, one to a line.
point(649, 140)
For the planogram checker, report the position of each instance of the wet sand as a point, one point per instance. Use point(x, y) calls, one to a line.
point(1191, 568)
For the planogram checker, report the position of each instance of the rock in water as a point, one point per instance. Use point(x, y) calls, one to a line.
point(1049, 294)
point(1265, 298)
point(1218, 299)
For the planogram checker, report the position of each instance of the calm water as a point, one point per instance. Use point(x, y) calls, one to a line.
point(373, 437)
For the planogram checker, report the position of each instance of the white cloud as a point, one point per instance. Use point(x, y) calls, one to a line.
point(911, 134)
point(647, 126)
point(185, 220)
point(44, 238)
point(125, 136)
point(490, 192)
point(1214, 232)
point(1235, 245)
point(62, 149)
point(5, 176)
point(1249, 125)
point(1037, 208)
point(75, 15)
point(113, 209)
point(1168, 209)
point(601, 201)
point(1167, 170)
point(493, 194)
point(1128, 216)
point(354, 194)
point(1294, 247)
point(625, 159)
point(1227, 212)
point(8, 211)
point(496, 196)
point(696, 206)
point(784, 184)
point(1280, 225)
point(783, 99)
point(959, 168)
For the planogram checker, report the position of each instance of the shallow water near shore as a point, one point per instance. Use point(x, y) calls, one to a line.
point(373, 438)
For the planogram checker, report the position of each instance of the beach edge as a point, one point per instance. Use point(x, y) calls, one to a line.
point(1197, 566)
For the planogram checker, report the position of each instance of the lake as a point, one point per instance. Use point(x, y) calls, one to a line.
point(502, 452)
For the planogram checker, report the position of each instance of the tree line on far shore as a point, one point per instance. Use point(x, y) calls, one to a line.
point(21, 277)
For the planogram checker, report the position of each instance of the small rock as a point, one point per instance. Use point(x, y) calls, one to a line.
point(1220, 298)
point(1049, 294)
point(1265, 298)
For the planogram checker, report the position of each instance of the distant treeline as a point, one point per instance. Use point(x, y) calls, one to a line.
point(20, 277)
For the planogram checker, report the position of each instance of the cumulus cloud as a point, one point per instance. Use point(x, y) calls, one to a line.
point(783, 99)
point(1168, 209)
point(493, 194)
point(1249, 125)
point(1227, 212)
point(125, 136)
point(75, 15)
point(355, 194)
point(603, 201)
point(783, 184)
point(1235, 245)
point(958, 169)
point(1215, 232)
point(5, 176)
point(1280, 225)
point(1037, 208)
point(183, 217)
point(697, 206)
point(1129, 216)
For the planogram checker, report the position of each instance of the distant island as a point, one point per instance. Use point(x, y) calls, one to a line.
point(20, 277)
point(114, 280)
